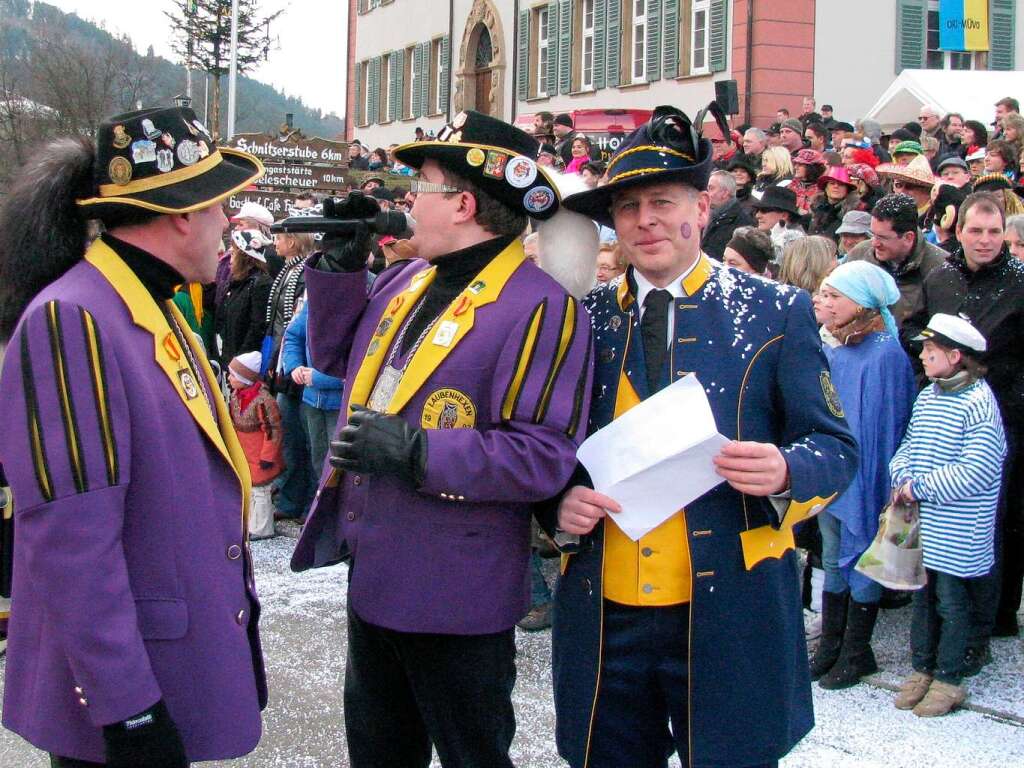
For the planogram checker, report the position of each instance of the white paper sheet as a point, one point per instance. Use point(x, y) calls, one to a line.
point(656, 458)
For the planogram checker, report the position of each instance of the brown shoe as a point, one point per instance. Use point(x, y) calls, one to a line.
point(912, 690)
point(537, 619)
point(941, 699)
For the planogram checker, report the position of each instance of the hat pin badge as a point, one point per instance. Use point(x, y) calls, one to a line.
point(150, 130)
point(121, 137)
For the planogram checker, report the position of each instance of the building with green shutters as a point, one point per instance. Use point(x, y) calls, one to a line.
point(418, 62)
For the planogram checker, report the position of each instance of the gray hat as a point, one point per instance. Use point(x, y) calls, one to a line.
point(953, 160)
point(855, 223)
point(794, 125)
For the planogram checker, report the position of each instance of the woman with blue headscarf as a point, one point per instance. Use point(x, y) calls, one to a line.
point(875, 385)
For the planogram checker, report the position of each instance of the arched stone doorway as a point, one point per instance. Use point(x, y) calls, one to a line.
point(482, 69)
point(480, 79)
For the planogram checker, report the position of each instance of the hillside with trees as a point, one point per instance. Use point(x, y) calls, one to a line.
point(60, 74)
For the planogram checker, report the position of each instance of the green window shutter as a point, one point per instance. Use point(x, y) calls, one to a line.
point(911, 28)
point(670, 39)
point(1003, 37)
point(600, 9)
point(445, 70)
point(417, 77)
point(523, 56)
point(653, 42)
point(425, 80)
point(718, 35)
point(565, 46)
point(360, 117)
point(613, 49)
point(551, 87)
point(400, 108)
point(394, 94)
point(374, 90)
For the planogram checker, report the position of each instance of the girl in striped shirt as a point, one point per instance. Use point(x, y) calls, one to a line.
point(951, 463)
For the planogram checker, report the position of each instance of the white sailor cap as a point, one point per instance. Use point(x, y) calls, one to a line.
point(953, 331)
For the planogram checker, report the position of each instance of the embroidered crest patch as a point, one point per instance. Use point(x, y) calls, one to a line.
point(828, 389)
point(448, 409)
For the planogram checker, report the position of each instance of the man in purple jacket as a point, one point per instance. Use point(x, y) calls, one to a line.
point(467, 378)
point(133, 635)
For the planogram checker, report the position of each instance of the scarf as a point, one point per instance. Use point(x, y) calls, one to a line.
point(855, 331)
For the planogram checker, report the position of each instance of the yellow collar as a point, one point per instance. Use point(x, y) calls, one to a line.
point(147, 315)
point(693, 281)
point(452, 326)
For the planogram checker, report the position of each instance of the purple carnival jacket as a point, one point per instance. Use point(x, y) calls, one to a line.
point(132, 575)
point(502, 385)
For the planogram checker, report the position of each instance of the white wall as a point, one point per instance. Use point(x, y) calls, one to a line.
point(854, 55)
point(390, 27)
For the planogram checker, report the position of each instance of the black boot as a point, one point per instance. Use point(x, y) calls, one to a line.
point(833, 623)
point(857, 659)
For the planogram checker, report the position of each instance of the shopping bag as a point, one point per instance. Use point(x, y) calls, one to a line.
point(895, 558)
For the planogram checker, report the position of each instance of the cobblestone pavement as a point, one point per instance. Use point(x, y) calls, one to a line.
point(304, 640)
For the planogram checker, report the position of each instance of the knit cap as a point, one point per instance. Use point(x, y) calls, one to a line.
point(246, 367)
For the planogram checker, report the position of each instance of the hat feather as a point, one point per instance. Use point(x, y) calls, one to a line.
point(568, 242)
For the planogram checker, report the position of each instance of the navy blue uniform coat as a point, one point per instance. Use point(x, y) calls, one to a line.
point(754, 346)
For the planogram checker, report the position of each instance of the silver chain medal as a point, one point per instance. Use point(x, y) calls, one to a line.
point(390, 377)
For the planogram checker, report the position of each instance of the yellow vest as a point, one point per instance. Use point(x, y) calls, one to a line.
point(655, 570)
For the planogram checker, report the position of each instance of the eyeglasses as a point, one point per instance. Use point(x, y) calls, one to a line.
point(876, 236)
point(418, 187)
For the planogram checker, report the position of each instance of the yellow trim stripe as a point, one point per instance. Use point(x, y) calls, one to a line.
point(649, 148)
point(526, 351)
point(164, 179)
point(568, 331)
point(206, 203)
point(34, 430)
point(64, 390)
point(102, 401)
point(639, 171)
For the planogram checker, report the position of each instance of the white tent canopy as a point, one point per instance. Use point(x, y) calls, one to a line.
point(972, 93)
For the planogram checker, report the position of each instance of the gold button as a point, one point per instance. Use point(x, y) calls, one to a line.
point(647, 588)
point(646, 551)
point(240, 618)
point(357, 480)
point(84, 702)
point(462, 498)
point(234, 552)
point(78, 690)
point(351, 515)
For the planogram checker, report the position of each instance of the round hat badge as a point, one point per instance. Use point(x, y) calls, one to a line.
point(475, 157)
point(521, 172)
point(538, 199)
point(120, 170)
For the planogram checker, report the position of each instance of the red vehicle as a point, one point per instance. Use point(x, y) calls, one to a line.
point(606, 128)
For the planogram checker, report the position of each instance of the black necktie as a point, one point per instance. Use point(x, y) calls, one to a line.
point(654, 330)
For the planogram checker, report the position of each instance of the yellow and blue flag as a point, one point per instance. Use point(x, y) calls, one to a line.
point(963, 25)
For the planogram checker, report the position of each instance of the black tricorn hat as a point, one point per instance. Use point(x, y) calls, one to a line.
point(164, 160)
point(778, 199)
point(667, 148)
point(499, 158)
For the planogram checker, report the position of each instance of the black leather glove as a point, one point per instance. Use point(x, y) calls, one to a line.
point(149, 739)
point(380, 444)
point(348, 252)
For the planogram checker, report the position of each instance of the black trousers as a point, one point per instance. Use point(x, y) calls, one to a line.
point(56, 761)
point(405, 691)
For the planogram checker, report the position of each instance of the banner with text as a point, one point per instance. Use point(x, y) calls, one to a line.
point(963, 25)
